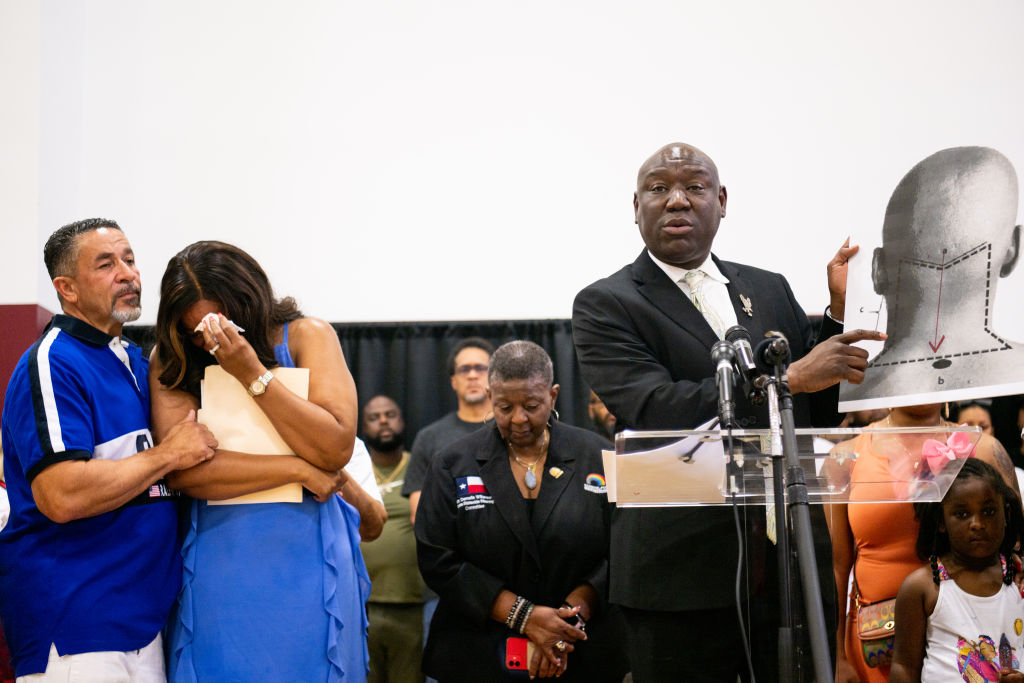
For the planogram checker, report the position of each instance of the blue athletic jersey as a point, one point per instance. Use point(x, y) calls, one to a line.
point(103, 583)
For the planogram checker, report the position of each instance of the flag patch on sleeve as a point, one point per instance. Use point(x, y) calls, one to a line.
point(471, 494)
point(469, 485)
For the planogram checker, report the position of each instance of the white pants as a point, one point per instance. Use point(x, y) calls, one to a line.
point(137, 666)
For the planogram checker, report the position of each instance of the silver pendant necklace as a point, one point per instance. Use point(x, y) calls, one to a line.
point(530, 479)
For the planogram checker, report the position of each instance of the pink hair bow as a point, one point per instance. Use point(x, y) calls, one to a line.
point(937, 454)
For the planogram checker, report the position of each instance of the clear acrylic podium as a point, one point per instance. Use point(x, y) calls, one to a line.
point(695, 467)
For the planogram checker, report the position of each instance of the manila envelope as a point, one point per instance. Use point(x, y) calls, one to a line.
point(239, 425)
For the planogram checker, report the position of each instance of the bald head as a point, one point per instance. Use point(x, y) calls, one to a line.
point(955, 200)
point(674, 154)
point(678, 204)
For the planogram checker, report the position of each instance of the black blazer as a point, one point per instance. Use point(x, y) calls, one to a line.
point(645, 349)
point(471, 546)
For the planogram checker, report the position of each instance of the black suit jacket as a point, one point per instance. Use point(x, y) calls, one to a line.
point(471, 546)
point(645, 349)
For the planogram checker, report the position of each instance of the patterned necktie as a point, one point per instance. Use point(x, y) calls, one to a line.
point(695, 280)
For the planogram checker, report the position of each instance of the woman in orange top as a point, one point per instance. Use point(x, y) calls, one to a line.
point(876, 541)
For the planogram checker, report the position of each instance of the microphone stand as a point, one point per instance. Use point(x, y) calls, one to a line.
point(785, 647)
point(780, 406)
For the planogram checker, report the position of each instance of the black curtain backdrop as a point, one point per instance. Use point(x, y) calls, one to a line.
point(406, 361)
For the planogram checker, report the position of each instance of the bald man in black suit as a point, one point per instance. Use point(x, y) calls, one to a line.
point(644, 347)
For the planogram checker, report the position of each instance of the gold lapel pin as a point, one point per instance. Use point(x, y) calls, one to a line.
point(556, 472)
point(747, 308)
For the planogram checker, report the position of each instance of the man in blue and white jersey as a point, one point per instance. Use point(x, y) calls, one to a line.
point(89, 563)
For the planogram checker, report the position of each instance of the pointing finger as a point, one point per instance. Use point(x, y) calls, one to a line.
point(860, 335)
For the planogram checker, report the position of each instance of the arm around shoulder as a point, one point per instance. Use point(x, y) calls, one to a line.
point(75, 489)
point(82, 480)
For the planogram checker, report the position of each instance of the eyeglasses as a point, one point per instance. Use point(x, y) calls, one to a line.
point(466, 369)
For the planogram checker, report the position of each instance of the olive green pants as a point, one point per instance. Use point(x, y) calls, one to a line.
point(395, 642)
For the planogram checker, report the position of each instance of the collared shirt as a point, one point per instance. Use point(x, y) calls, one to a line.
point(95, 584)
point(714, 291)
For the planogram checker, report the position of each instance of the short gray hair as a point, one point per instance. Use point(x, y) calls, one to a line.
point(521, 359)
point(61, 251)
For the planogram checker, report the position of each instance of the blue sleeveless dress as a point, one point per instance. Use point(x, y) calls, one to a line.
point(271, 592)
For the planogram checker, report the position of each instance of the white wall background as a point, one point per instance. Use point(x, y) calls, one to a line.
point(464, 159)
point(19, 152)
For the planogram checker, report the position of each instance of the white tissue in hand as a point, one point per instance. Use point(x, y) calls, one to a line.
point(205, 322)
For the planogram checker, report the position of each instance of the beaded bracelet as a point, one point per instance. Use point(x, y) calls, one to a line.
point(517, 622)
point(519, 615)
point(525, 617)
point(513, 611)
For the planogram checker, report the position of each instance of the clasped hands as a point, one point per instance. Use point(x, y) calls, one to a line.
point(551, 632)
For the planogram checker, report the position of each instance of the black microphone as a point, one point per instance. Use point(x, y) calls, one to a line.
point(740, 338)
point(722, 355)
point(771, 351)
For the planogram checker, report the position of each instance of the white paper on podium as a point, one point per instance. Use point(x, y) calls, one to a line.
point(692, 469)
point(608, 460)
point(239, 425)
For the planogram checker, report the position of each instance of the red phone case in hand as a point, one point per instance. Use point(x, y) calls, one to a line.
point(517, 653)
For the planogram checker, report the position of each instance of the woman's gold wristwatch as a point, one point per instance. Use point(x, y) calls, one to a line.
point(259, 385)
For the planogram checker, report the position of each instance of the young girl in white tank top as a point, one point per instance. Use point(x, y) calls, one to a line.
point(961, 618)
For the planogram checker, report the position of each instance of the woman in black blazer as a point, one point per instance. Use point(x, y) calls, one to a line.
point(512, 533)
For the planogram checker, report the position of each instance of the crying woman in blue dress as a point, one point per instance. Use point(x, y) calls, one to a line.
point(271, 591)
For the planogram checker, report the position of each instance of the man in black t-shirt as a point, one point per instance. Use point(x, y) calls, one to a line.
point(467, 366)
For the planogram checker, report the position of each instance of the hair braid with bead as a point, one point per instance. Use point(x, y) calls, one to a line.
point(934, 559)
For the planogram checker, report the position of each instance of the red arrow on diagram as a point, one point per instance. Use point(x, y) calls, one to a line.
point(937, 342)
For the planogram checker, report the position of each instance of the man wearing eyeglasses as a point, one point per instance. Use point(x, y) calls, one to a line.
point(468, 363)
